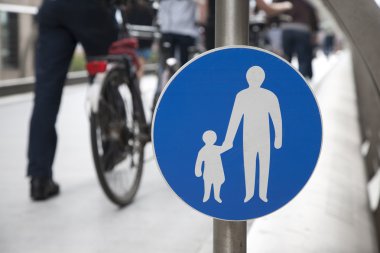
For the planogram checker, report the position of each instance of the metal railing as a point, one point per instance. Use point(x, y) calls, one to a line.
point(362, 27)
point(21, 9)
point(17, 36)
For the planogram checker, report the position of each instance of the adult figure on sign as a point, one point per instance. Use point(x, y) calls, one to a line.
point(255, 105)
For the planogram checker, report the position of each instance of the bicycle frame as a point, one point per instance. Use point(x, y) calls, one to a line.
point(98, 68)
point(123, 57)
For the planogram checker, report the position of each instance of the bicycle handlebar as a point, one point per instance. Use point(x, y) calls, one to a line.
point(143, 31)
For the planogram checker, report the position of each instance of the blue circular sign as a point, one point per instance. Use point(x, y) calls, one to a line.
point(237, 133)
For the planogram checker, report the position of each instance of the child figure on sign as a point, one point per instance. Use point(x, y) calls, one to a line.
point(209, 158)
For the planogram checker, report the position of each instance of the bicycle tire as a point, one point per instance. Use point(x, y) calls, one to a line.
point(167, 73)
point(112, 145)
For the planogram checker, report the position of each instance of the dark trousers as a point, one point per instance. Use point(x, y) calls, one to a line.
point(210, 36)
point(328, 44)
point(62, 24)
point(170, 42)
point(299, 43)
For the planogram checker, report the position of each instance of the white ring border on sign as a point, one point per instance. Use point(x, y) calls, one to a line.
point(220, 49)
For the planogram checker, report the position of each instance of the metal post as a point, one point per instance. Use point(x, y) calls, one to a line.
point(231, 22)
point(231, 28)
point(230, 236)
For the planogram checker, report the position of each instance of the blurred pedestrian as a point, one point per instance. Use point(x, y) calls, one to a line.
point(61, 25)
point(178, 25)
point(138, 12)
point(210, 25)
point(274, 8)
point(328, 43)
point(299, 35)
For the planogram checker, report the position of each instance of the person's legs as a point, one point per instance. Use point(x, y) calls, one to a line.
point(167, 47)
point(217, 187)
point(55, 47)
point(288, 44)
point(166, 52)
point(249, 172)
point(184, 44)
point(304, 53)
point(264, 159)
point(207, 188)
point(210, 36)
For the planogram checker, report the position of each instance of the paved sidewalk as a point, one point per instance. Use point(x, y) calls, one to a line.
point(331, 214)
point(81, 219)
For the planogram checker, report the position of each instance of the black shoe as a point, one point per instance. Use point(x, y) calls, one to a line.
point(43, 188)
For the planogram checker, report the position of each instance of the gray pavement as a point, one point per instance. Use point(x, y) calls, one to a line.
point(81, 219)
point(331, 215)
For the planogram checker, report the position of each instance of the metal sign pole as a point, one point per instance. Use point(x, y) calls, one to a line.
point(231, 28)
point(230, 236)
point(231, 22)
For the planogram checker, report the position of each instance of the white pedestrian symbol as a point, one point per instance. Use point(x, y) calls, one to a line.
point(213, 173)
point(255, 105)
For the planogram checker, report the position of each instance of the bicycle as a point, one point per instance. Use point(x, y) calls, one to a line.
point(118, 126)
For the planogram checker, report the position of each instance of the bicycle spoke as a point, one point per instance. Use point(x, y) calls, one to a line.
point(117, 134)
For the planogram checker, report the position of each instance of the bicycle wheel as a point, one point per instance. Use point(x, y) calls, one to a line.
point(117, 149)
point(171, 66)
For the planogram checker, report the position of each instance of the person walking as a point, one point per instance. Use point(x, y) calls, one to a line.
point(62, 24)
point(299, 35)
point(177, 20)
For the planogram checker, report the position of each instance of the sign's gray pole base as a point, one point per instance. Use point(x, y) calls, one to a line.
point(230, 236)
point(231, 28)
